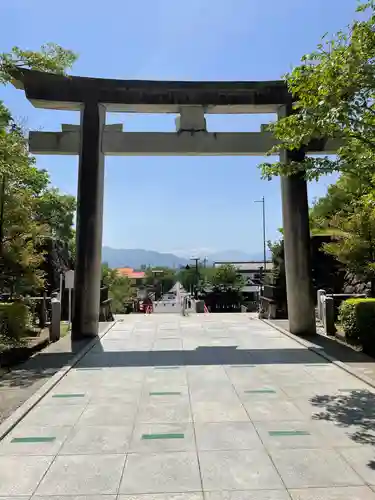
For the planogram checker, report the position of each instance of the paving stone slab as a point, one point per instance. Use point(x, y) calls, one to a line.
point(109, 415)
point(227, 436)
point(165, 375)
point(155, 438)
point(21, 475)
point(62, 397)
point(161, 473)
point(339, 435)
point(16, 498)
point(35, 440)
point(89, 440)
point(80, 475)
point(349, 493)
point(304, 468)
point(266, 408)
point(75, 497)
point(105, 396)
point(314, 391)
point(286, 434)
point(50, 415)
point(224, 393)
point(362, 460)
point(218, 411)
point(248, 495)
point(238, 470)
point(164, 496)
point(152, 411)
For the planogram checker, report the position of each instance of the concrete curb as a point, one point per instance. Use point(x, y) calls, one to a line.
point(27, 406)
point(323, 354)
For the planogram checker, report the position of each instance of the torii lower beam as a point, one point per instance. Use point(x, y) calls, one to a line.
point(166, 143)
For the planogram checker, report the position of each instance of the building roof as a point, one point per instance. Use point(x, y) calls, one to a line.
point(130, 273)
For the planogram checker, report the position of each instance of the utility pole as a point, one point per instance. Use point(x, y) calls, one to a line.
point(159, 272)
point(196, 259)
point(262, 201)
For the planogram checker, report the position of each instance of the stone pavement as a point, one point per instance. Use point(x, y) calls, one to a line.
point(24, 380)
point(168, 407)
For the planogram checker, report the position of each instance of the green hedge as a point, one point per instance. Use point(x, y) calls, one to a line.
point(357, 317)
point(14, 319)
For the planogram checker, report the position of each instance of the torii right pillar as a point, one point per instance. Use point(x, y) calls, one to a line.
point(297, 248)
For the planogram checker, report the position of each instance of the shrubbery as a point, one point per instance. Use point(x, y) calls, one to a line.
point(15, 319)
point(357, 317)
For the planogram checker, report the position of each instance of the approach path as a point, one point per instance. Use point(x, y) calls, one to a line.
point(175, 406)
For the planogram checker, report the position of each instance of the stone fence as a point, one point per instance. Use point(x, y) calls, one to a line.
point(328, 308)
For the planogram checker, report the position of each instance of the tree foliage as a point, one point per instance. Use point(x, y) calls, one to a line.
point(347, 214)
point(32, 210)
point(189, 278)
point(50, 58)
point(120, 288)
point(353, 241)
point(161, 279)
point(226, 277)
point(334, 90)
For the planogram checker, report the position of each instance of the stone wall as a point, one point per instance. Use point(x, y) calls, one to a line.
point(355, 284)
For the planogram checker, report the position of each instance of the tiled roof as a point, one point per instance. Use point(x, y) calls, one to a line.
point(130, 273)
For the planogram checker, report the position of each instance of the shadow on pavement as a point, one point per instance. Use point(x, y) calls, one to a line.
point(354, 411)
point(215, 355)
point(42, 365)
point(331, 346)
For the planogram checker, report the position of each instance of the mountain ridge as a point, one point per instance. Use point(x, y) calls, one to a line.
point(136, 257)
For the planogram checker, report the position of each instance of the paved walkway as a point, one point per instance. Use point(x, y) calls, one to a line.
point(24, 380)
point(165, 407)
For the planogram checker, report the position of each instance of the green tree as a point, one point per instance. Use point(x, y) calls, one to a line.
point(353, 241)
point(162, 279)
point(50, 58)
point(227, 277)
point(334, 89)
point(57, 211)
point(26, 197)
point(120, 288)
point(342, 198)
point(188, 278)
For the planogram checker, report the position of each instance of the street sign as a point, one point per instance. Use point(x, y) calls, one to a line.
point(69, 279)
point(69, 284)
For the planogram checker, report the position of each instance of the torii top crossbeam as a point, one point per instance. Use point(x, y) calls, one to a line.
point(46, 90)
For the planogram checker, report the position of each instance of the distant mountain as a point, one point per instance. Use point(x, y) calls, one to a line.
point(229, 256)
point(137, 257)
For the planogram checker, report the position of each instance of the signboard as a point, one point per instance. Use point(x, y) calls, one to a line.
point(69, 279)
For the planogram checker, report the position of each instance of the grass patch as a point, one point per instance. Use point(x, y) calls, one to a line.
point(64, 329)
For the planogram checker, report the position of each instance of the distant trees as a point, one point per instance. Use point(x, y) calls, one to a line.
point(227, 277)
point(222, 278)
point(162, 279)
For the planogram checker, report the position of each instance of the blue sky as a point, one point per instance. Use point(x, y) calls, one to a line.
point(186, 204)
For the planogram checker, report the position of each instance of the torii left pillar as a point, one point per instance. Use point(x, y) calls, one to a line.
point(89, 222)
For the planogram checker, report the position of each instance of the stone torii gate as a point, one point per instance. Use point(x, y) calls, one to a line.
point(92, 140)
